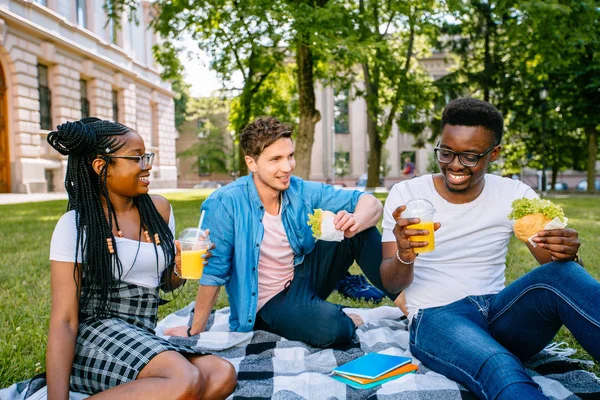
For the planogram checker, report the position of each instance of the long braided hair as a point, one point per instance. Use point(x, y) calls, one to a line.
point(100, 270)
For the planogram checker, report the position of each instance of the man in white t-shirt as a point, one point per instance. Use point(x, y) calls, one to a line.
point(463, 322)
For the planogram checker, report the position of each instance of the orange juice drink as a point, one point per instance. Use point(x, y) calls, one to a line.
point(191, 264)
point(427, 225)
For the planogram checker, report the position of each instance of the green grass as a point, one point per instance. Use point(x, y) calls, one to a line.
point(26, 229)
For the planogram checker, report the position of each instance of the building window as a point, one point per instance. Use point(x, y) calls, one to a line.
point(115, 105)
point(85, 103)
point(203, 128)
point(342, 163)
point(203, 167)
point(340, 111)
point(81, 13)
point(45, 98)
point(42, 2)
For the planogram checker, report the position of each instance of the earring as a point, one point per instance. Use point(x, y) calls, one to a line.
point(109, 244)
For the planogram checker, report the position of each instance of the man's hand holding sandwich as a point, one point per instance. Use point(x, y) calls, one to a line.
point(542, 225)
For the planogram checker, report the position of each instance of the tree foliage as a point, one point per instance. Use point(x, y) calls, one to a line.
point(210, 152)
point(506, 53)
point(379, 51)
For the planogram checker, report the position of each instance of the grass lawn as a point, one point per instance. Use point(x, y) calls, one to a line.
point(25, 280)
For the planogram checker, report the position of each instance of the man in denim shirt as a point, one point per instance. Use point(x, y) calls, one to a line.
point(276, 275)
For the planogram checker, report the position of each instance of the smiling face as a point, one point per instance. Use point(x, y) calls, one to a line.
point(125, 175)
point(274, 167)
point(457, 183)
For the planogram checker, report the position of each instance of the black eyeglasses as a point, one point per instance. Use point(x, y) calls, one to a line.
point(467, 159)
point(145, 160)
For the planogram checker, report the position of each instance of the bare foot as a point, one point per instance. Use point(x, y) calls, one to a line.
point(358, 321)
point(401, 303)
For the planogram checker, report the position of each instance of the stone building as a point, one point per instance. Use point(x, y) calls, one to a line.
point(63, 60)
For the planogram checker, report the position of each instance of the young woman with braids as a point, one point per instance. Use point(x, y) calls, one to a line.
point(110, 254)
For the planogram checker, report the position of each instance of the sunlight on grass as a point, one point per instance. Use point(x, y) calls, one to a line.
point(26, 229)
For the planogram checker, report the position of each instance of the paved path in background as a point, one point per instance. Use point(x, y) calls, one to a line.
point(15, 198)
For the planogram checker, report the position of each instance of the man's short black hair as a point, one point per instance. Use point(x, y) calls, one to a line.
point(468, 111)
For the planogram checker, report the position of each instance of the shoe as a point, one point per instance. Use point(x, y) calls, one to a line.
point(356, 287)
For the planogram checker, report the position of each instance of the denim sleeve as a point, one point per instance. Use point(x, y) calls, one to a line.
point(329, 198)
point(218, 219)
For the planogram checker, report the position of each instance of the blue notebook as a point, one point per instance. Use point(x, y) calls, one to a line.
point(372, 365)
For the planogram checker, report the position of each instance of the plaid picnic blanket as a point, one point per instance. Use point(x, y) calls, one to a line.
point(271, 367)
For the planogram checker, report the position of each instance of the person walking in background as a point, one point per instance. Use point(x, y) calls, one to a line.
point(409, 168)
point(110, 255)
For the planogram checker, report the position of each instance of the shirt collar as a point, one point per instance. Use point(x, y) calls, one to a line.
point(255, 198)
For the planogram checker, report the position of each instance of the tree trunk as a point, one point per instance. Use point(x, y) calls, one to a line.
point(555, 167)
point(487, 58)
point(592, 136)
point(246, 106)
point(375, 144)
point(309, 115)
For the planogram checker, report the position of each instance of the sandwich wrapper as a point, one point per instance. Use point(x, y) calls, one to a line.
point(321, 222)
point(556, 223)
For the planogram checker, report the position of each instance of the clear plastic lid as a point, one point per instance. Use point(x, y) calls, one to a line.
point(189, 235)
point(419, 208)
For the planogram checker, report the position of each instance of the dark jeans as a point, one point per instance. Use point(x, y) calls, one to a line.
point(300, 311)
point(481, 341)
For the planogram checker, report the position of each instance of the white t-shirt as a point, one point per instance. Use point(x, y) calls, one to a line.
point(470, 246)
point(141, 270)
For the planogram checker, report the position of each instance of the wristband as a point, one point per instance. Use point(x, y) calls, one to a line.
point(189, 332)
point(177, 273)
point(401, 260)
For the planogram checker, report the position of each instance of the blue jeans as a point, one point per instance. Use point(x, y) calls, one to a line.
point(481, 341)
point(300, 311)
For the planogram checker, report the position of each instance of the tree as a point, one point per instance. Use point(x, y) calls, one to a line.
point(555, 45)
point(510, 53)
point(382, 40)
point(210, 151)
point(315, 28)
point(241, 37)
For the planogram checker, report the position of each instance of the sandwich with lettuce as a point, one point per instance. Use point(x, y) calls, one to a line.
point(322, 226)
point(534, 215)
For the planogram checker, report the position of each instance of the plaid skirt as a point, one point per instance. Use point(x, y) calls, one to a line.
point(113, 351)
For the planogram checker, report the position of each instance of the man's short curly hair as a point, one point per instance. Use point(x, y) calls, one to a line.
point(468, 111)
point(261, 133)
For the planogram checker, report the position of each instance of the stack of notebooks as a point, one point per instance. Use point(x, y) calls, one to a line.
point(373, 369)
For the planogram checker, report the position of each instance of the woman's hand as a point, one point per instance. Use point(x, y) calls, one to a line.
point(204, 256)
point(178, 258)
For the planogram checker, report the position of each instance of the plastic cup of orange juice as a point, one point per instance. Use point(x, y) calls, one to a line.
point(193, 245)
point(424, 210)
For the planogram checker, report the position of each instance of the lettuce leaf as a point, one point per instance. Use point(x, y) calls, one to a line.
point(314, 221)
point(524, 206)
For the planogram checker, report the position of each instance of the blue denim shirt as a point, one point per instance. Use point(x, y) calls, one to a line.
point(234, 216)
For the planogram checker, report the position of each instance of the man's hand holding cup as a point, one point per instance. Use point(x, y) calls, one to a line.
point(412, 235)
